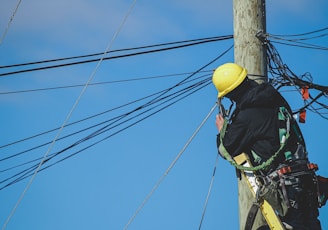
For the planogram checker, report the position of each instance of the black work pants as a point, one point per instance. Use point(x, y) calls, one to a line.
point(302, 194)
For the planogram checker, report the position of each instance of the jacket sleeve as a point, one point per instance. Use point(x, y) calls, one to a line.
point(238, 137)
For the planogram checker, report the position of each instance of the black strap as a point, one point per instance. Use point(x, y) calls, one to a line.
point(251, 216)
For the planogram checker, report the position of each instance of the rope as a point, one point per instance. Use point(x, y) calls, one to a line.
point(168, 169)
point(67, 118)
point(209, 192)
point(9, 23)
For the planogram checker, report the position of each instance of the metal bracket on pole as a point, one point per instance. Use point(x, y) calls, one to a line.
point(262, 37)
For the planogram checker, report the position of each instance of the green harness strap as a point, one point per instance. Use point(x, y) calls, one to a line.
point(225, 153)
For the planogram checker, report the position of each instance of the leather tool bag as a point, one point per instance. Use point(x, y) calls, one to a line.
point(273, 195)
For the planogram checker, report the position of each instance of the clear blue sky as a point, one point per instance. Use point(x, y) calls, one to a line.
point(102, 187)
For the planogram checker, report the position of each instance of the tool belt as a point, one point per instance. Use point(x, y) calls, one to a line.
point(321, 182)
point(273, 186)
point(298, 168)
point(274, 196)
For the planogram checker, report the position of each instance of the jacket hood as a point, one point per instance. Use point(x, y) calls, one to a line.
point(259, 95)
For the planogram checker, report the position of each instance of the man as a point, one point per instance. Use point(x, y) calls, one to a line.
point(260, 123)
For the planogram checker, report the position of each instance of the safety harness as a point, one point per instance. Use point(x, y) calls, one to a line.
point(284, 133)
point(269, 188)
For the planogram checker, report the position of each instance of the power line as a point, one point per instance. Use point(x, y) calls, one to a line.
point(85, 119)
point(302, 45)
point(299, 39)
point(122, 119)
point(209, 192)
point(283, 76)
point(295, 39)
point(155, 187)
point(301, 34)
point(208, 39)
point(113, 122)
point(114, 57)
point(9, 22)
point(162, 100)
point(96, 83)
point(110, 121)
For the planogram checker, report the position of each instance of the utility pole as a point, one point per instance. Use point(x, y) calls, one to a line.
point(249, 19)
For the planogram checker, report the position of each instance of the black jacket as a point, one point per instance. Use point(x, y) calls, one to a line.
point(255, 125)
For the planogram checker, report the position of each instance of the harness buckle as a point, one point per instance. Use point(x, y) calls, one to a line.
point(313, 166)
point(284, 170)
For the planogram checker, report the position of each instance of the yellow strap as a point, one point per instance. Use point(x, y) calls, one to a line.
point(268, 212)
point(241, 158)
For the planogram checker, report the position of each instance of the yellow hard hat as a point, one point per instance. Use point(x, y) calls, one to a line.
point(228, 77)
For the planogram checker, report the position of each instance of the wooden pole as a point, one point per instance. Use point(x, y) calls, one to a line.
point(249, 19)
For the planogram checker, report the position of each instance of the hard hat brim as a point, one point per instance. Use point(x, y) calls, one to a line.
point(233, 86)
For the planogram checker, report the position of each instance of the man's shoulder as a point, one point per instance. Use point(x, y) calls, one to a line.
point(251, 114)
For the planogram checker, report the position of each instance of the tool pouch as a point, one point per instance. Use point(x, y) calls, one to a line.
point(323, 190)
point(273, 195)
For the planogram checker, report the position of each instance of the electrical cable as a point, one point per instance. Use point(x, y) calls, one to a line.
point(9, 23)
point(208, 39)
point(283, 76)
point(79, 121)
point(76, 122)
point(100, 131)
point(286, 78)
point(96, 83)
point(189, 76)
point(297, 35)
point(277, 67)
point(157, 99)
point(200, 69)
point(313, 100)
point(303, 45)
point(105, 58)
point(152, 191)
point(298, 39)
point(110, 126)
point(209, 192)
point(294, 39)
point(25, 173)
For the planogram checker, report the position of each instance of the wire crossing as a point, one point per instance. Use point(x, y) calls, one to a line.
point(169, 168)
point(150, 105)
point(110, 127)
point(44, 158)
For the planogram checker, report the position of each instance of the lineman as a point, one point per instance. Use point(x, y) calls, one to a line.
point(259, 124)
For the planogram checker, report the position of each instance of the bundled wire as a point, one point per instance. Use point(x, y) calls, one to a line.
point(103, 130)
point(298, 39)
point(122, 53)
point(282, 76)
